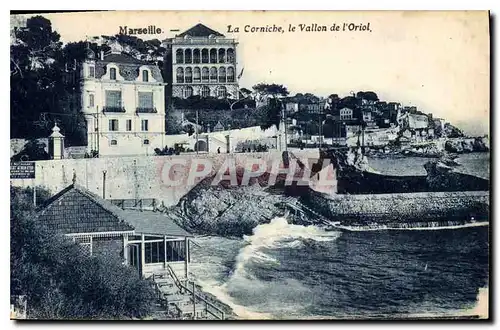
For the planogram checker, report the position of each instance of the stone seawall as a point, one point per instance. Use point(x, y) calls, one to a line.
point(402, 207)
point(141, 177)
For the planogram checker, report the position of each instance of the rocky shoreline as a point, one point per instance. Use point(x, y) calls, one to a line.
point(432, 149)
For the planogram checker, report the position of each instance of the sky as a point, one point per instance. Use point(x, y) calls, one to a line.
point(437, 61)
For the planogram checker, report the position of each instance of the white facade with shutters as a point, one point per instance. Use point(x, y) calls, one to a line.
point(123, 101)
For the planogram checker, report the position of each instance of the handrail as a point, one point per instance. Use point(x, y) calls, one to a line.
point(197, 296)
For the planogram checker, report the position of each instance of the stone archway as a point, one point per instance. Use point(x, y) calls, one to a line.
point(201, 146)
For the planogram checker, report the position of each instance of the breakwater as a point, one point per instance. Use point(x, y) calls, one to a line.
point(402, 210)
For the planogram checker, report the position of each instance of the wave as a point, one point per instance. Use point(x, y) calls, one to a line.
point(410, 226)
point(242, 285)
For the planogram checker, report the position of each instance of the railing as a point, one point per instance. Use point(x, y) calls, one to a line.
point(210, 308)
point(146, 110)
point(141, 204)
point(113, 109)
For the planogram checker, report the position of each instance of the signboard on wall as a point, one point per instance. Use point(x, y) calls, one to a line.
point(22, 170)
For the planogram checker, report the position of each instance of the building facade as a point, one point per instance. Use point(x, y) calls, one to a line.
point(203, 62)
point(123, 101)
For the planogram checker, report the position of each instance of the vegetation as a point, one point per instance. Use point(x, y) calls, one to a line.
point(60, 281)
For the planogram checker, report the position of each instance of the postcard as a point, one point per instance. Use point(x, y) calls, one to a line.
point(249, 165)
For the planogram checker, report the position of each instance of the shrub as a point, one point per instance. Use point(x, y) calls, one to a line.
point(60, 281)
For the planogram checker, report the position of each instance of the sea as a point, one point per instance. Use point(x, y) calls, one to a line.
point(288, 271)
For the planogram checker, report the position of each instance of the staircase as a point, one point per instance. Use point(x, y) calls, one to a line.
point(178, 300)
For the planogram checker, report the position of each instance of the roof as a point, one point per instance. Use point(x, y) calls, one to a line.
point(77, 210)
point(121, 58)
point(148, 222)
point(200, 30)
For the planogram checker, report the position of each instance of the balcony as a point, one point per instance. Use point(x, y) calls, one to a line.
point(113, 109)
point(146, 110)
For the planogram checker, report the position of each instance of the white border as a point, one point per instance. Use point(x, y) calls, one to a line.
point(219, 5)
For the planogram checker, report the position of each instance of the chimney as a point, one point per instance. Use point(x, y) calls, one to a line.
point(102, 55)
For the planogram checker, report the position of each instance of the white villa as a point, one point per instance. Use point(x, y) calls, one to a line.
point(123, 101)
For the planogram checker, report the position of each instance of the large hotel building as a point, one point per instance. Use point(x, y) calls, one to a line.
point(201, 61)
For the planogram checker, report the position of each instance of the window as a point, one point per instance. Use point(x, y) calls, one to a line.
point(145, 75)
point(222, 92)
point(222, 55)
point(222, 75)
point(196, 56)
point(179, 56)
point(113, 124)
point(230, 55)
point(204, 56)
point(154, 252)
point(204, 74)
point(146, 141)
point(146, 100)
point(91, 71)
point(213, 55)
point(187, 92)
point(114, 142)
point(205, 91)
point(180, 75)
point(144, 125)
point(188, 56)
point(113, 99)
point(188, 77)
point(112, 74)
point(230, 74)
point(91, 100)
point(129, 125)
point(196, 75)
point(176, 251)
point(213, 74)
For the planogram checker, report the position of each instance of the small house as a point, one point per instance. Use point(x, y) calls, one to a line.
point(146, 240)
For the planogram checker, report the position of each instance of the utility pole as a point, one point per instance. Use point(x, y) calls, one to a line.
point(104, 184)
point(284, 124)
point(197, 146)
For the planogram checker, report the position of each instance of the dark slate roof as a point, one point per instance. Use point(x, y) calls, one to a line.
point(200, 30)
point(148, 222)
point(77, 210)
point(128, 66)
point(121, 58)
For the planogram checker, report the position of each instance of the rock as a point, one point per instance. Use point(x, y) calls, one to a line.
point(454, 146)
point(467, 146)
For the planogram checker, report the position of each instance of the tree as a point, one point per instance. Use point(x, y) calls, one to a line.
point(369, 96)
point(270, 90)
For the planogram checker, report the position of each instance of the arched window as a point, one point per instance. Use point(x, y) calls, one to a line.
point(146, 141)
point(196, 74)
point(213, 55)
point(196, 56)
point(204, 74)
point(187, 92)
point(114, 142)
point(180, 75)
point(188, 56)
point(213, 74)
point(230, 74)
point(188, 76)
point(230, 55)
point(112, 74)
point(222, 55)
point(204, 56)
point(222, 75)
point(179, 56)
point(205, 91)
point(145, 75)
point(221, 92)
